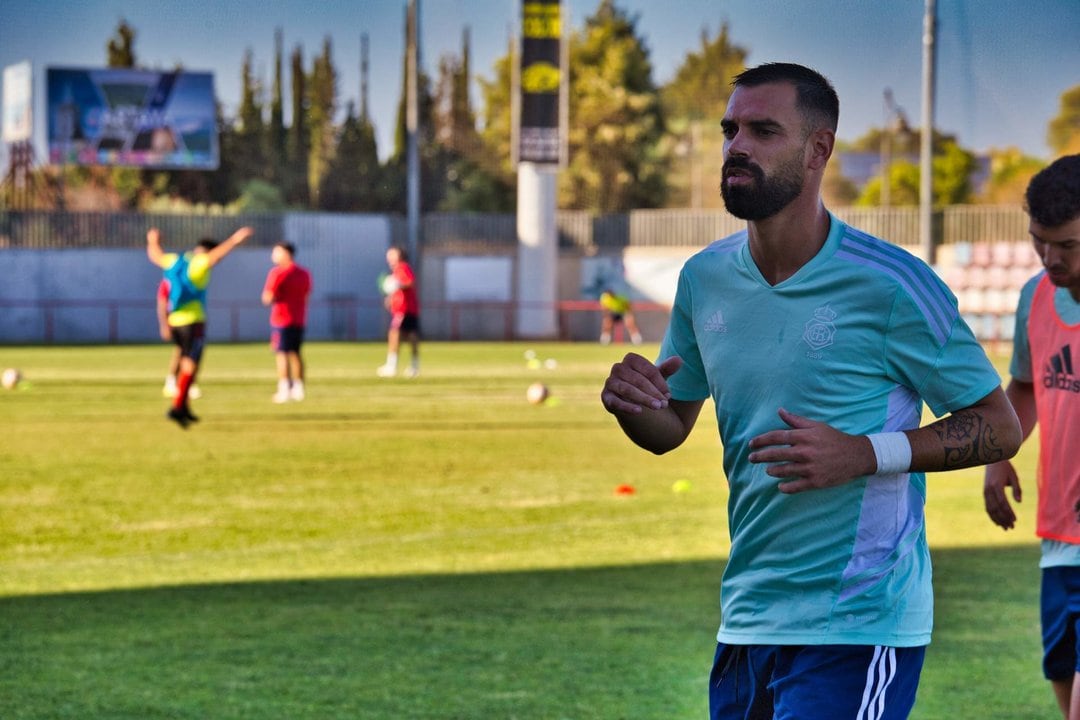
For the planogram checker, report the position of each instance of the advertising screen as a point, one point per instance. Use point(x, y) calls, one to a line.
point(134, 118)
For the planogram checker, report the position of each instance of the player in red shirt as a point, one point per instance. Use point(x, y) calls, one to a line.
point(286, 291)
point(404, 305)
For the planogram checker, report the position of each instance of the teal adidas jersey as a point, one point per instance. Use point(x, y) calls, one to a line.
point(858, 338)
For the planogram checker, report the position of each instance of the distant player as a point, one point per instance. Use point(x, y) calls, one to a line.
point(403, 303)
point(169, 389)
point(1045, 391)
point(616, 309)
point(286, 291)
point(188, 275)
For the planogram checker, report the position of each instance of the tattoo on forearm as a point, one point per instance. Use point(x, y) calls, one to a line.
point(968, 439)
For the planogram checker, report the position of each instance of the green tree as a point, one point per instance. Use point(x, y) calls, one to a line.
point(702, 85)
point(497, 122)
point(1063, 134)
point(120, 51)
point(1010, 173)
point(295, 176)
point(694, 101)
point(616, 121)
point(248, 147)
point(322, 103)
point(350, 184)
point(275, 131)
point(952, 169)
point(468, 177)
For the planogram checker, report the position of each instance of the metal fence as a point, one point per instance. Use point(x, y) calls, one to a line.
point(473, 232)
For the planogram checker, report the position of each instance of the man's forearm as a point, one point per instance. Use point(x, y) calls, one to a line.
point(984, 433)
point(658, 431)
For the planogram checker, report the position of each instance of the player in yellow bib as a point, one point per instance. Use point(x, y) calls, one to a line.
point(188, 275)
point(617, 309)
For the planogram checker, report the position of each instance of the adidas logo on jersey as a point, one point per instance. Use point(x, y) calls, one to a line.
point(716, 323)
point(1058, 373)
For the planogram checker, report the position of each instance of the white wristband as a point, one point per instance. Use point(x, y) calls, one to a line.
point(893, 452)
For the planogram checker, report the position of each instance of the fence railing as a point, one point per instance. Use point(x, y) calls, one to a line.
point(470, 232)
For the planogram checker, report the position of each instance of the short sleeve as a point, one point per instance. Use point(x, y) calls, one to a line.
point(690, 382)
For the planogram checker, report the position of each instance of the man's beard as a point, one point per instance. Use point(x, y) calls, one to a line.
point(766, 196)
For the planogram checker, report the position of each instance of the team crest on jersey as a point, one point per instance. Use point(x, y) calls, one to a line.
point(820, 331)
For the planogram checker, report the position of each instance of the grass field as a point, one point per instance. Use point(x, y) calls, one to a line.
point(390, 549)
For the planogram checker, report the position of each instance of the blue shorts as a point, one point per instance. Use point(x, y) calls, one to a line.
point(1060, 601)
point(814, 682)
point(287, 339)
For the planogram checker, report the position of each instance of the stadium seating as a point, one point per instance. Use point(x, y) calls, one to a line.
point(987, 278)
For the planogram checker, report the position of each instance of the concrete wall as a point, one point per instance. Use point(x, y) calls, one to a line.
point(107, 295)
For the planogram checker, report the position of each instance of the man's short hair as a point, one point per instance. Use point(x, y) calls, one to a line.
point(207, 244)
point(815, 95)
point(287, 247)
point(1053, 195)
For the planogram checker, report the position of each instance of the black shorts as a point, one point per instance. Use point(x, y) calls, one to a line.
point(287, 339)
point(406, 322)
point(191, 339)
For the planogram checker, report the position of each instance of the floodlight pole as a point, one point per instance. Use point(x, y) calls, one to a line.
point(412, 129)
point(926, 169)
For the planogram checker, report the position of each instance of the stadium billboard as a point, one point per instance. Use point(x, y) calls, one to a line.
point(133, 118)
point(541, 82)
point(17, 103)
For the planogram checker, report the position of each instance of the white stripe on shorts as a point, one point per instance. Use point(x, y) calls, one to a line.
point(879, 675)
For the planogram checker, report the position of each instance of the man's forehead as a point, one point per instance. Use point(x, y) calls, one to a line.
point(770, 101)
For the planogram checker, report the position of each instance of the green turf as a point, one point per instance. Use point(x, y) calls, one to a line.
point(429, 548)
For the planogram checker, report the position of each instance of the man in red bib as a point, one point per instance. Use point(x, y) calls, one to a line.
point(286, 292)
point(1045, 390)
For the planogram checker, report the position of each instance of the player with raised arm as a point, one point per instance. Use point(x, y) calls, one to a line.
point(188, 275)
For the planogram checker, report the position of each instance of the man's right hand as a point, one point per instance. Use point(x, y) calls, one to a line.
point(635, 384)
point(999, 476)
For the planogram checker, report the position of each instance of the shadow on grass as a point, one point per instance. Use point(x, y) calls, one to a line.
point(625, 642)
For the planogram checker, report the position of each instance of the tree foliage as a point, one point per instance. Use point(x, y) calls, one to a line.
point(616, 119)
point(1063, 133)
point(322, 103)
point(1010, 173)
point(702, 85)
point(952, 170)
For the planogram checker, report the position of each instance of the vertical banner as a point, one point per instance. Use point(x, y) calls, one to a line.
point(541, 78)
point(17, 103)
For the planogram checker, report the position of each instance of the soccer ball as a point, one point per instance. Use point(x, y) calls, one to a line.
point(537, 393)
point(10, 378)
point(389, 284)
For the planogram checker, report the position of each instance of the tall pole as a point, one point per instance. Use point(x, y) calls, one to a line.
point(926, 155)
point(540, 145)
point(364, 78)
point(412, 128)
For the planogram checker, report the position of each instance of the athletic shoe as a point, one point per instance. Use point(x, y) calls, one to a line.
point(411, 372)
point(189, 415)
point(386, 371)
point(281, 396)
point(193, 392)
point(297, 393)
point(179, 416)
point(169, 391)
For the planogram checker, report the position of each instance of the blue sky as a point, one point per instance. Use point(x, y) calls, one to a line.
point(1002, 64)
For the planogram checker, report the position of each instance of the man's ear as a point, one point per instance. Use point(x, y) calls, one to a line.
point(820, 148)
